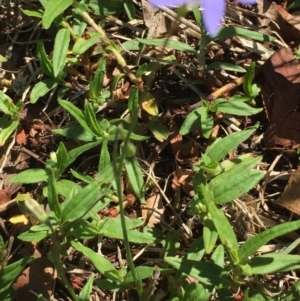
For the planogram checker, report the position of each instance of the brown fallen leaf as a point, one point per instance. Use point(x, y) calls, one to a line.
point(21, 136)
point(280, 95)
point(276, 20)
point(292, 19)
point(290, 198)
point(153, 210)
point(38, 277)
point(5, 195)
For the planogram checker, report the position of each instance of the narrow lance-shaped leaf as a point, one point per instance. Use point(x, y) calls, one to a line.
point(96, 85)
point(10, 272)
point(33, 175)
point(45, 62)
point(224, 229)
point(79, 204)
point(236, 181)
point(61, 45)
point(236, 107)
point(42, 88)
point(52, 194)
point(135, 177)
point(221, 147)
point(62, 157)
point(247, 85)
point(87, 289)
point(82, 45)
point(103, 265)
point(255, 242)
point(53, 9)
point(133, 104)
point(92, 121)
point(104, 156)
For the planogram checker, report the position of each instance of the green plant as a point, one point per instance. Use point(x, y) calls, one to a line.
point(202, 117)
point(11, 117)
point(67, 211)
point(230, 264)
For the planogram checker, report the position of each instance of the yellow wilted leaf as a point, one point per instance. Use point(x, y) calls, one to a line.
point(19, 219)
point(149, 104)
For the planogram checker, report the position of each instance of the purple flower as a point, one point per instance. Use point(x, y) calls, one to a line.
point(213, 10)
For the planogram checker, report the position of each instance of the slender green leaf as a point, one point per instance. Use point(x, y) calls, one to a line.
point(52, 194)
point(255, 242)
point(194, 253)
point(6, 104)
point(7, 129)
point(91, 120)
point(33, 236)
point(61, 45)
point(196, 291)
point(42, 88)
point(81, 229)
point(82, 45)
point(129, 9)
point(198, 118)
point(45, 62)
point(218, 256)
point(76, 113)
point(166, 42)
point(274, 263)
point(132, 45)
point(106, 8)
point(65, 187)
point(62, 157)
point(34, 175)
point(158, 130)
point(82, 177)
point(224, 229)
point(53, 9)
point(247, 85)
point(236, 107)
point(77, 133)
point(79, 25)
point(197, 16)
point(226, 66)
point(135, 177)
point(104, 156)
point(32, 13)
point(231, 31)
point(103, 265)
point(9, 274)
point(76, 152)
point(210, 235)
point(96, 85)
point(87, 289)
point(221, 147)
point(115, 223)
point(142, 70)
point(293, 4)
point(133, 104)
point(78, 205)
point(133, 236)
point(206, 272)
point(236, 181)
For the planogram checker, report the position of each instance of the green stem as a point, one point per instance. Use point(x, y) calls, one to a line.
point(118, 176)
point(59, 267)
point(110, 48)
point(67, 26)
